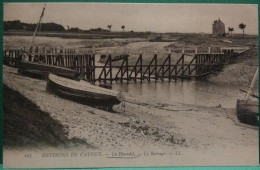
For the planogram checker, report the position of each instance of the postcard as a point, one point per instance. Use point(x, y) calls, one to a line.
point(130, 85)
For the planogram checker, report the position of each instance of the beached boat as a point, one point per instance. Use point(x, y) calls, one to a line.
point(82, 92)
point(247, 112)
point(41, 70)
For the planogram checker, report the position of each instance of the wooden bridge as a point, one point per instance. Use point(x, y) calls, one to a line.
point(201, 64)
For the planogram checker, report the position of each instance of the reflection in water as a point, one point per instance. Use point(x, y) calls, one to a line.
point(189, 92)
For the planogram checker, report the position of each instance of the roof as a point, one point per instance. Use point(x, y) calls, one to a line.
point(218, 21)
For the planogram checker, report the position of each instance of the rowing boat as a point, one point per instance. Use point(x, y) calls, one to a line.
point(82, 92)
point(247, 112)
point(41, 70)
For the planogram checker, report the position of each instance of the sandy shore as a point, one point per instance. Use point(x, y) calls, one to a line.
point(206, 136)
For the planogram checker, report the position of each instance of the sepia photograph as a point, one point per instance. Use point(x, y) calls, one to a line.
point(89, 85)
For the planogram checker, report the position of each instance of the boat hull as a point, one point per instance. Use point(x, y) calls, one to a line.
point(101, 101)
point(247, 112)
point(41, 71)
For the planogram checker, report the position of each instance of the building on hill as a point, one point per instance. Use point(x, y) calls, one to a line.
point(218, 28)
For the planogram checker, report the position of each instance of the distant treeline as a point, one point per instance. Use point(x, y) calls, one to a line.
point(18, 25)
point(45, 27)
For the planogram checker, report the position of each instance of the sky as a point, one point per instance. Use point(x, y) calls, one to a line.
point(183, 18)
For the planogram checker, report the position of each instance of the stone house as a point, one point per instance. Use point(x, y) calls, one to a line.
point(218, 28)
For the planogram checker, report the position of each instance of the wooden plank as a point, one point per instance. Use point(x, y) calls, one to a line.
point(169, 68)
point(155, 68)
point(141, 67)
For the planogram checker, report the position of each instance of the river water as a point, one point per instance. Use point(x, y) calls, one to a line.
point(188, 92)
point(203, 93)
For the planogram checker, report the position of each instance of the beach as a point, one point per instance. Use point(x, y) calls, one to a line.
point(203, 131)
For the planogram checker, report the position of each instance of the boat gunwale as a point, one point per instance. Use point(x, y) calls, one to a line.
point(108, 93)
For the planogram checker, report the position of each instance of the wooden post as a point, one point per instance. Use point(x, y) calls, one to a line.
point(45, 56)
point(155, 69)
point(169, 67)
point(87, 70)
point(189, 70)
point(62, 58)
point(122, 72)
point(93, 68)
point(51, 57)
point(149, 74)
point(127, 69)
point(87, 66)
point(175, 72)
point(141, 67)
point(10, 56)
point(14, 58)
point(81, 65)
point(197, 64)
point(162, 76)
point(105, 77)
point(110, 69)
point(182, 62)
point(68, 58)
point(135, 69)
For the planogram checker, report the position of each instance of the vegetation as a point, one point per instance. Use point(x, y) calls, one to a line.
point(123, 27)
point(76, 29)
point(18, 25)
point(97, 30)
point(242, 27)
point(230, 30)
point(109, 27)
